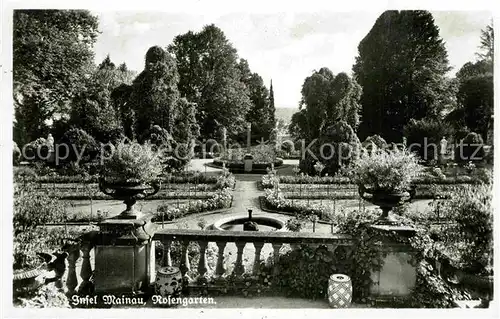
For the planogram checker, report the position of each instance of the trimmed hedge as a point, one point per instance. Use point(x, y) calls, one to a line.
point(239, 166)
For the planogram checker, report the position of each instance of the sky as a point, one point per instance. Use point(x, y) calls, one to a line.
point(284, 47)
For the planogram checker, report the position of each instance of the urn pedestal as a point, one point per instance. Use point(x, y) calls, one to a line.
point(124, 251)
point(125, 256)
point(397, 275)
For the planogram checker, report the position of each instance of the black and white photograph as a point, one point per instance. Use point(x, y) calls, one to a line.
point(201, 156)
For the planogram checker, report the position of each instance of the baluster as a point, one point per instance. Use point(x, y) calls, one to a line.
point(314, 246)
point(258, 248)
point(167, 259)
point(185, 267)
point(202, 265)
point(276, 256)
point(72, 280)
point(220, 270)
point(332, 247)
point(239, 269)
point(86, 286)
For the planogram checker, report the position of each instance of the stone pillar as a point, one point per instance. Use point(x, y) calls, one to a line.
point(397, 276)
point(125, 256)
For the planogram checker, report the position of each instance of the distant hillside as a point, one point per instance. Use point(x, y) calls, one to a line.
point(285, 113)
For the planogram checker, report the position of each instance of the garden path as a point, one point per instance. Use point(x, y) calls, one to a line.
point(246, 195)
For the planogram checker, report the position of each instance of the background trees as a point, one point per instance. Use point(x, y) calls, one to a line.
point(328, 115)
point(326, 99)
point(93, 109)
point(52, 53)
point(474, 107)
point(261, 112)
point(209, 76)
point(154, 94)
point(401, 67)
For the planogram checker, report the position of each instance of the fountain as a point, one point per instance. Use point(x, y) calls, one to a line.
point(249, 223)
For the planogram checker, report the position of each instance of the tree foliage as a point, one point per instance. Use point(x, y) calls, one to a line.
point(337, 147)
point(209, 76)
point(260, 114)
point(476, 97)
point(52, 52)
point(474, 107)
point(487, 46)
point(154, 93)
point(93, 108)
point(422, 135)
point(401, 67)
point(326, 99)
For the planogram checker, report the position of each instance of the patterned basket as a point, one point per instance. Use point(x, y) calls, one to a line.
point(168, 281)
point(339, 291)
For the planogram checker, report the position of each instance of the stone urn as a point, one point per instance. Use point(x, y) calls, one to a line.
point(386, 201)
point(28, 280)
point(129, 193)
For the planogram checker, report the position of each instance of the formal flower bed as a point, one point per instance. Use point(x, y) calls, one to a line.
point(52, 177)
point(429, 176)
point(274, 199)
point(219, 200)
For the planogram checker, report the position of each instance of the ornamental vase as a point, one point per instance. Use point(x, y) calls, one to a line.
point(339, 291)
point(168, 281)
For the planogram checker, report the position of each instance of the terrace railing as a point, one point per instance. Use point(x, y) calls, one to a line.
point(203, 237)
point(241, 239)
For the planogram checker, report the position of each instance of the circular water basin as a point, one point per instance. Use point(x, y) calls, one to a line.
point(235, 223)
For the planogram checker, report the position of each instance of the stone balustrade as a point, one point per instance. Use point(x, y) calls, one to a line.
point(185, 236)
point(83, 248)
point(241, 239)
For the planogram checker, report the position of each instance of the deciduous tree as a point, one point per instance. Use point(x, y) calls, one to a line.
point(208, 68)
point(52, 54)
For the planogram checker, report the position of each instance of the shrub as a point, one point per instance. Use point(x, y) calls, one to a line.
point(16, 155)
point(132, 163)
point(471, 148)
point(422, 135)
point(295, 224)
point(304, 272)
point(36, 150)
point(24, 174)
point(460, 134)
point(32, 208)
point(79, 143)
point(156, 136)
point(346, 148)
point(374, 141)
point(469, 241)
point(174, 155)
point(287, 147)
